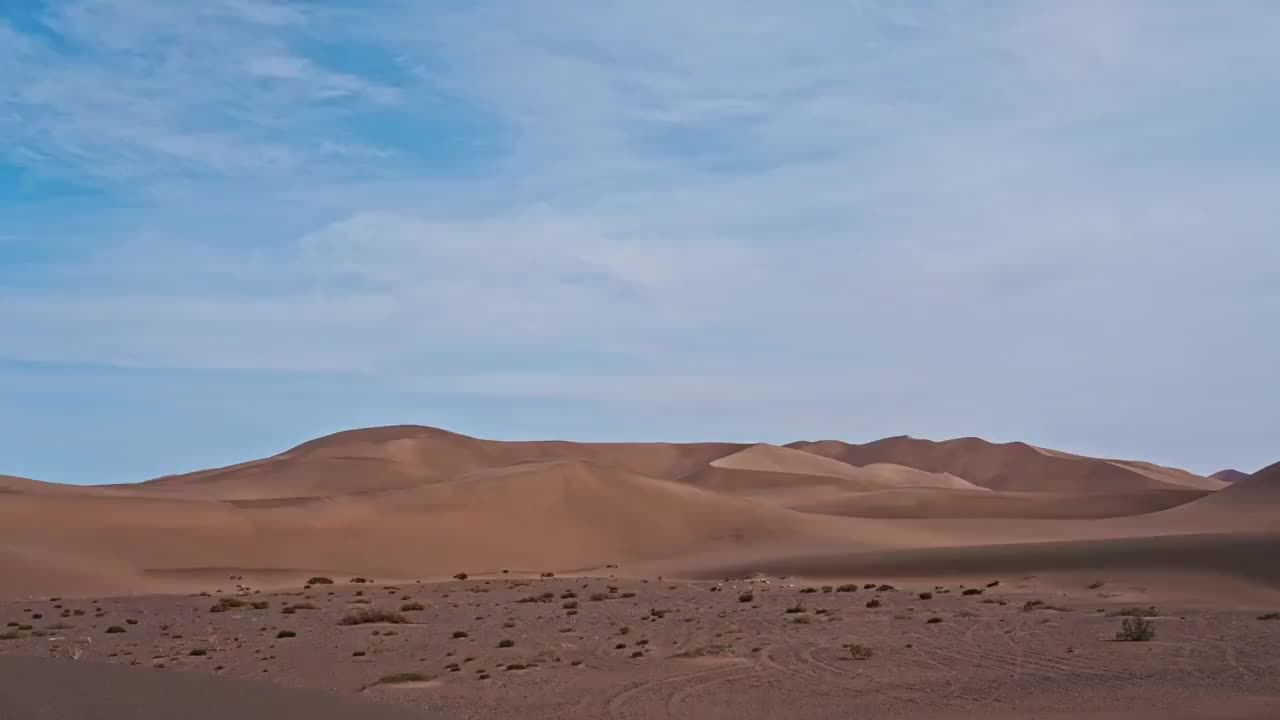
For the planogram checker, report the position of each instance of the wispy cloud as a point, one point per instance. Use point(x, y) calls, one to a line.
point(890, 213)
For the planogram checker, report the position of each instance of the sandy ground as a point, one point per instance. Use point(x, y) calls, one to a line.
point(599, 647)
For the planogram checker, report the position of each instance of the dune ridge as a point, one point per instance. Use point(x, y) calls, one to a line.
point(411, 501)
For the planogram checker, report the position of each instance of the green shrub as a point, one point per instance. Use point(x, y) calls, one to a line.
point(1136, 629)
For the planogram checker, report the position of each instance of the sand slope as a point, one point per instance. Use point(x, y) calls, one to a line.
point(557, 515)
point(1011, 466)
point(951, 503)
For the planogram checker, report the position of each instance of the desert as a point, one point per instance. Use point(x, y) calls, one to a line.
point(442, 575)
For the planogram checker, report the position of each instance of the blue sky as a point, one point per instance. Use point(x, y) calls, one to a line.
point(229, 226)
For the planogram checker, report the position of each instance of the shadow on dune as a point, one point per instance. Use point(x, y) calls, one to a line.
point(1249, 556)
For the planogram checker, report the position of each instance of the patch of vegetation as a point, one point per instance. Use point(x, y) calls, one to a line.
point(359, 580)
point(972, 591)
point(873, 603)
point(848, 587)
point(459, 634)
point(795, 609)
point(364, 616)
point(286, 634)
point(260, 605)
point(570, 605)
point(412, 607)
point(320, 580)
point(746, 597)
point(807, 590)
point(10, 635)
point(859, 652)
point(114, 630)
point(1136, 629)
point(461, 576)
point(198, 652)
point(506, 643)
point(933, 620)
point(1270, 616)
point(926, 596)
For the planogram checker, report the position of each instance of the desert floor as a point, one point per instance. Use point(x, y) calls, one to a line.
point(602, 647)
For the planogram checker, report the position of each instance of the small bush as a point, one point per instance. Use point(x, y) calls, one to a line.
point(1136, 629)
point(933, 621)
point(570, 605)
point(993, 583)
point(746, 597)
point(806, 591)
point(286, 634)
point(795, 609)
point(114, 629)
point(412, 607)
point(1030, 605)
point(860, 652)
point(198, 652)
point(461, 576)
point(260, 605)
point(1270, 616)
point(972, 591)
point(507, 643)
point(459, 634)
point(848, 587)
point(364, 616)
point(320, 580)
point(926, 596)
point(359, 580)
point(873, 603)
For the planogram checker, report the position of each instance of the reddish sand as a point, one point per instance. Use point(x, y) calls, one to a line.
point(412, 506)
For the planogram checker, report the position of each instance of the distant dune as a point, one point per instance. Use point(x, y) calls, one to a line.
point(1230, 476)
point(1012, 466)
point(408, 502)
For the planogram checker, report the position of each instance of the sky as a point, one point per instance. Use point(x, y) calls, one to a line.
point(230, 226)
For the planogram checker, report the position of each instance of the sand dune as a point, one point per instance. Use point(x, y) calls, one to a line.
point(387, 458)
point(555, 515)
point(952, 503)
point(409, 501)
point(1011, 466)
point(1229, 475)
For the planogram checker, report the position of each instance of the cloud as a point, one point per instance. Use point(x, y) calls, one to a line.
point(836, 217)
